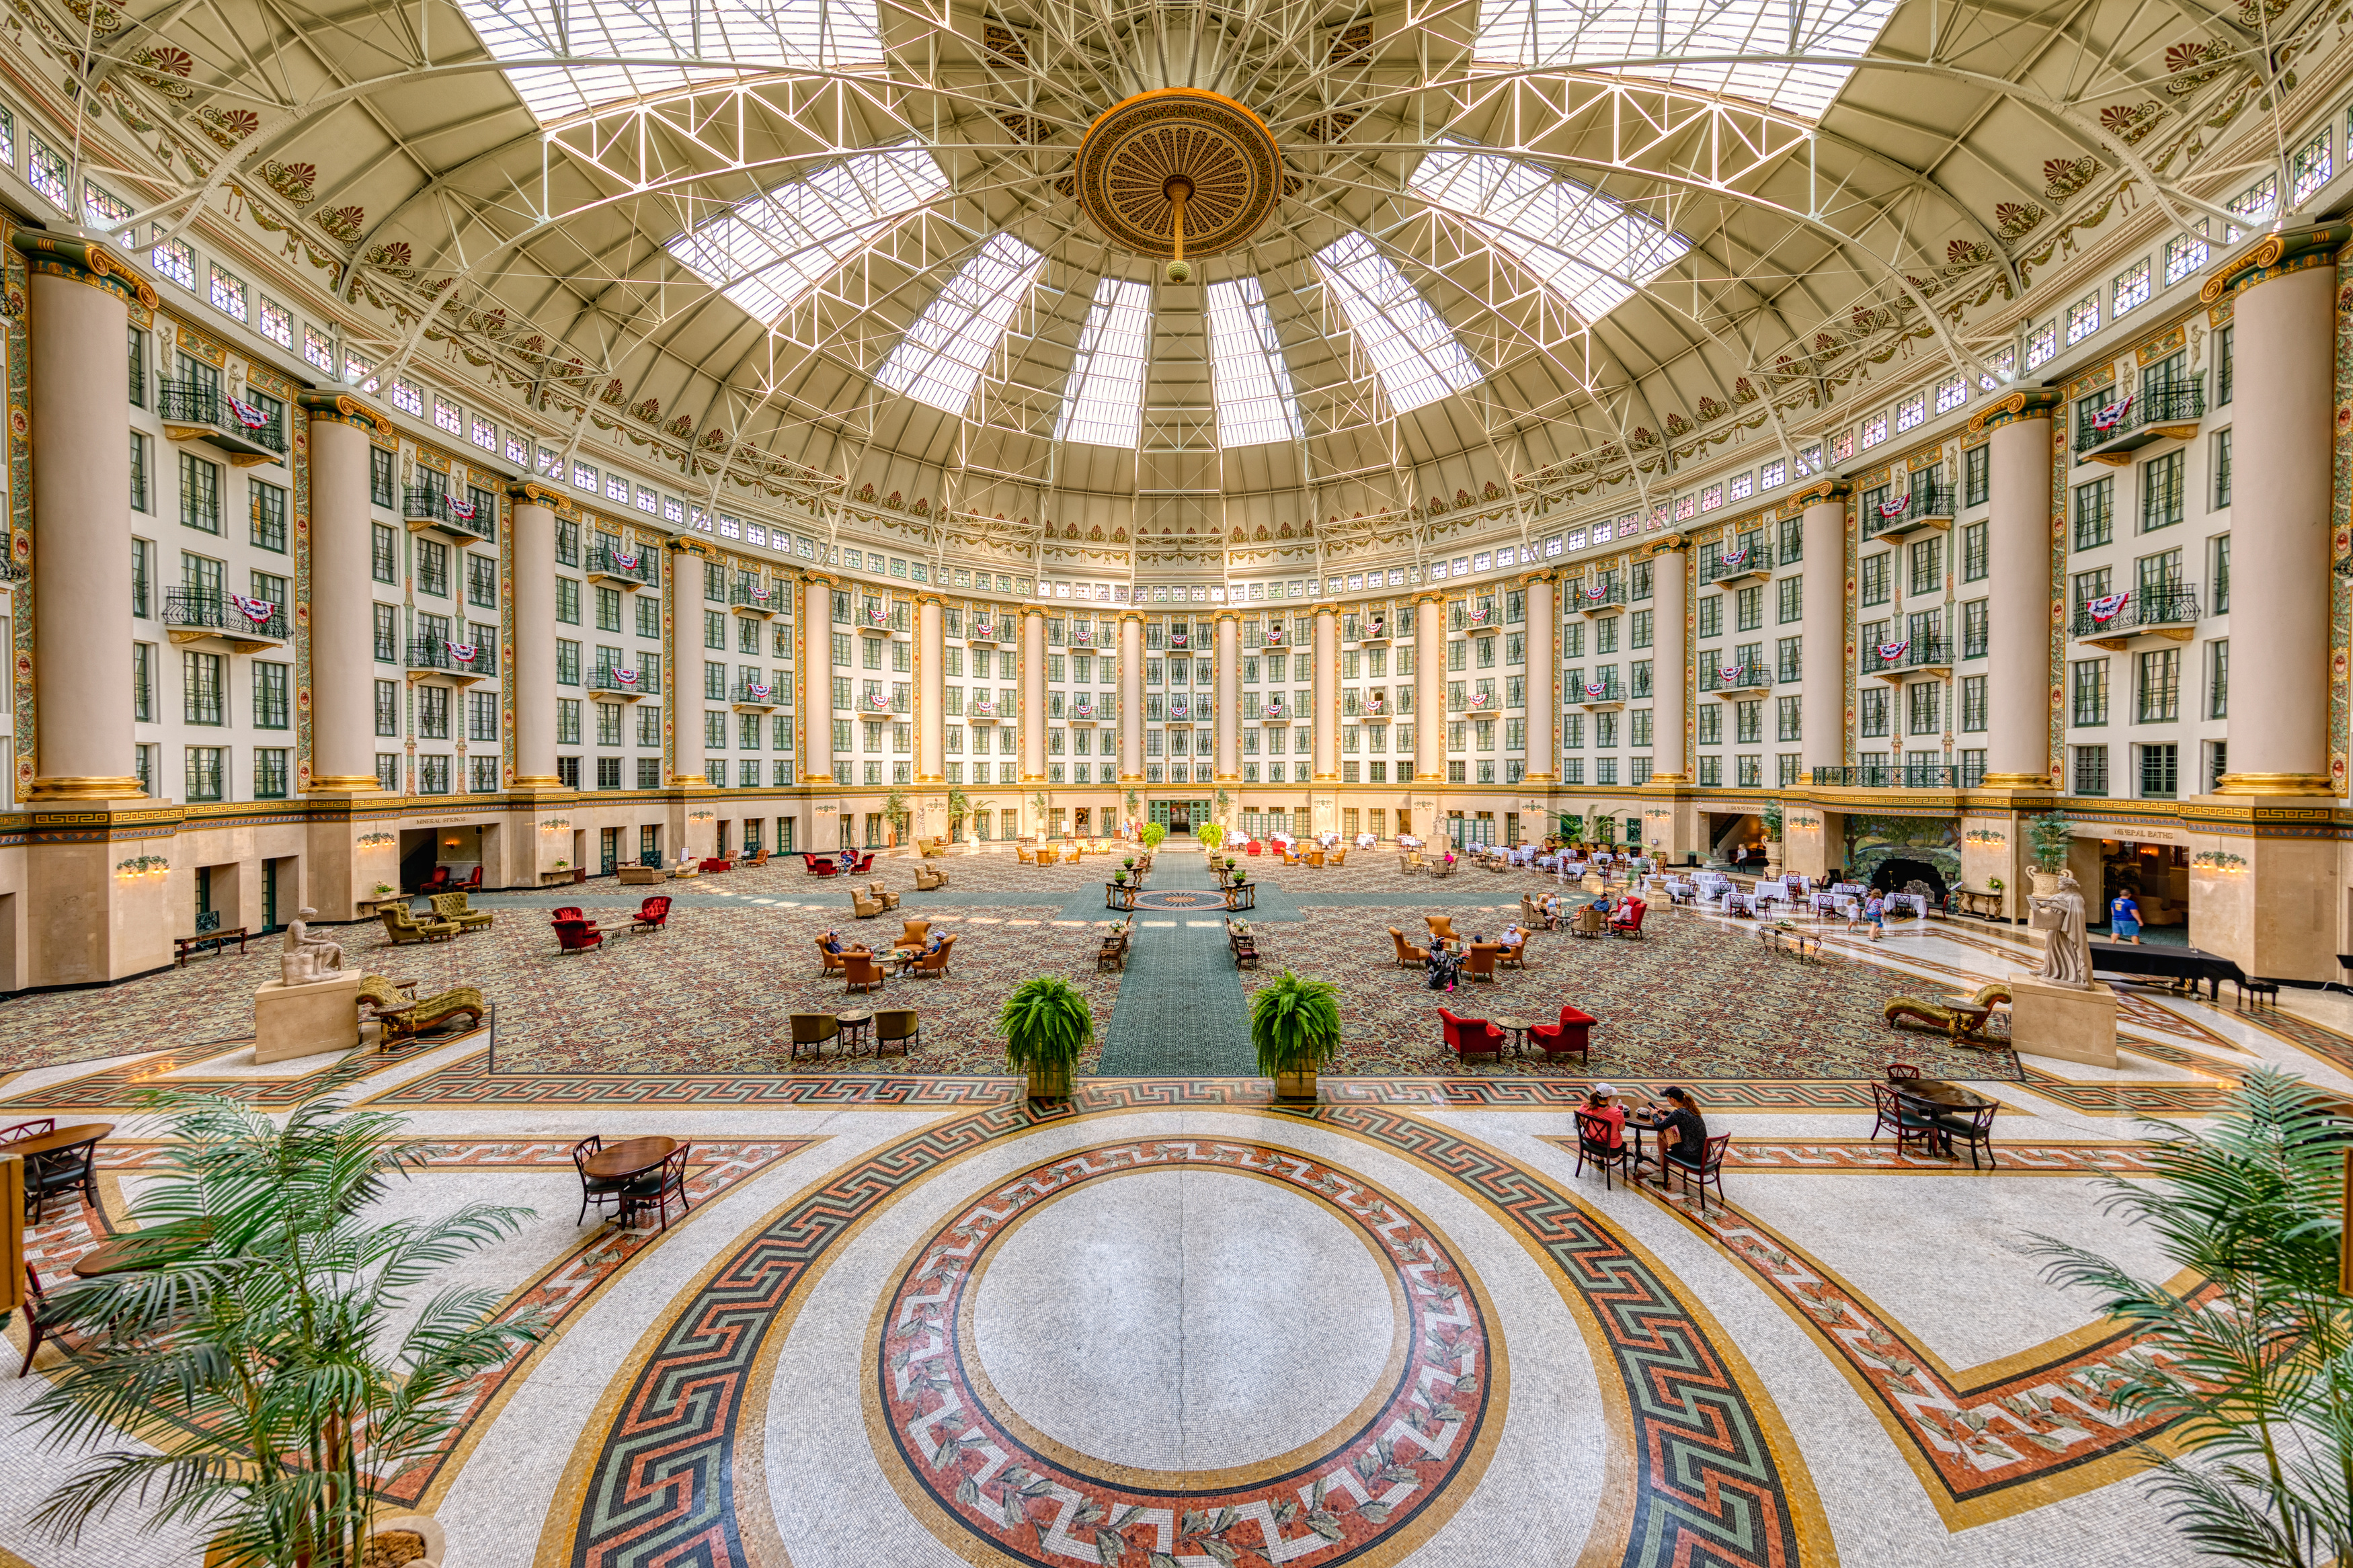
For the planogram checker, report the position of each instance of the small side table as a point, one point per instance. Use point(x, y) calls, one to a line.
point(1519, 1027)
point(855, 1026)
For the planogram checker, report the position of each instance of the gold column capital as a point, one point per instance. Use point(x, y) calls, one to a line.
point(85, 261)
point(326, 408)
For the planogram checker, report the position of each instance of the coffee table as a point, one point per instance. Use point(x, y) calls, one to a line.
point(1519, 1027)
point(855, 1026)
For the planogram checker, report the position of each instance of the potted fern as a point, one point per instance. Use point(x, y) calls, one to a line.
point(2050, 838)
point(1211, 836)
point(266, 1376)
point(1296, 1029)
point(1046, 1028)
point(1154, 832)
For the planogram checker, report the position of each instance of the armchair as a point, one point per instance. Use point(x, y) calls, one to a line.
point(1478, 963)
point(926, 879)
point(1441, 927)
point(1567, 1037)
point(1628, 921)
point(1589, 921)
point(813, 1029)
point(1407, 955)
point(577, 936)
point(832, 960)
point(864, 907)
point(860, 972)
point(652, 915)
point(897, 1024)
point(911, 933)
point(452, 907)
point(889, 899)
point(934, 963)
point(405, 928)
point(1471, 1036)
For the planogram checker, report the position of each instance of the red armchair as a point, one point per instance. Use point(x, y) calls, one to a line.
point(568, 913)
point(1627, 922)
point(474, 880)
point(1254, 847)
point(1471, 1036)
point(577, 936)
point(719, 865)
point(437, 883)
point(1567, 1038)
point(865, 863)
point(652, 915)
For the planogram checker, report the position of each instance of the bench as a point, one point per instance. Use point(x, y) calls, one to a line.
point(184, 945)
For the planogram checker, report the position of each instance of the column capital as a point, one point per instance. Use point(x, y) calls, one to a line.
point(2023, 403)
point(2277, 256)
point(1427, 596)
point(342, 408)
point(85, 261)
point(1329, 607)
point(929, 596)
point(1670, 543)
point(1036, 610)
point(819, 579)
point(1833, 488)
point(1542, 575)
point(531, 492)
point(1131, 617)
point(1228, 613)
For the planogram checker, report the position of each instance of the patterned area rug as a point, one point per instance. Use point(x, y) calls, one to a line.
point(1694, 999)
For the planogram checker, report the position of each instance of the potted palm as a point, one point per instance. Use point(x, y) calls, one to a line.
point(1296, 1029)
point(1046, 1028)
point(2050, 838)
point(1154, 832)
point(1211, 836)
point(267, 1374)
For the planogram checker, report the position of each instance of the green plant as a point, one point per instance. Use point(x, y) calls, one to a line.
point(2254, 1364)
point(1294, 1023)
point(1994, 884)
point(1134, 800)
point(1225, 803)
point(1771, 817)
point(2049, 834)
point(894, 810)
point(1210, 835)
point(1154, 832)
point(257, 1370)
point(1046, 1024)
point(385, 889)
point(959, 805)
point(1129, 862)
point(563, 864)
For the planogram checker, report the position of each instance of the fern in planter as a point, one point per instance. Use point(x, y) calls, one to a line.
point(2049, 834)
point(1047, 1027)
point(1154, 832)
point(1294, 1024)
point(1210, 835)
point(257, 1381)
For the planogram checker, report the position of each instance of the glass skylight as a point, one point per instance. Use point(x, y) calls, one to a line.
point(1583, 246)
point(1252, 383)
point(821, 33)
point(768, 251)
point(940, 359)
point(1592, 33)
point(1411, 347)
point(1103, 405)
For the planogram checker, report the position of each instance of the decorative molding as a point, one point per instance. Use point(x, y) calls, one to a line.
point(2023, 403)
point(2277, 256)
point(85, 261)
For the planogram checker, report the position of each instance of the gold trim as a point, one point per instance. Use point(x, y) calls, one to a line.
point(2272, 783)
point(73, 788)
point(2016, 781)
point(345, 784)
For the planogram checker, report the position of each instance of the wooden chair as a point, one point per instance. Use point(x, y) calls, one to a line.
point(813, 1029)
point(1898, 1071)
point(900, 1025)
point(1471, 1036)
point(860, 972)
point(71, 1169)
point(1479, 963)
point(577, 936)
point(1407, 955)
point(1593, 1143)
point(926, 879)
point(596, 1190)
point(652, 915)
point(452, 907)
point(1570, 1037)
point(658, 1187)
point(36, 1328)
point(862, 907)
point(1974, 1128)
point(1904, 1120)
point(1113, 954)
point(934, 963)
point(1707, 1170)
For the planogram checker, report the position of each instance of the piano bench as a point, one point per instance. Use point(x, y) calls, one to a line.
point(2265, 992)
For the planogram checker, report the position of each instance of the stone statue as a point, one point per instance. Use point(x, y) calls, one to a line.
point(308, 959)
point(2066, 947)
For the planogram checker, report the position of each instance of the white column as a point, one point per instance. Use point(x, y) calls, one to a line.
point(1131, 698)
point(1669, 664)
point(1823, 711)
point(1428, 691)
point(686, 659)
point(1327, 694)
point(817, 684)
point(1544, 678)
point(1033, 702)
point(530, 681)
point(931, 717)
point(1230, 697)
point(342, 650)
point(2018, 587)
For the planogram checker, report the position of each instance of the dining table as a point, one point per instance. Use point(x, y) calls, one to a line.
point(56, 1142)
point(629, 1157)
point(1938, 1098)
point(1516, 1026)
point(854, 1028)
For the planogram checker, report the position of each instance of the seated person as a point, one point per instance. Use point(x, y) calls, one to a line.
point(849, 858)
point(1551, 906)
point(932, 943)
point(1602, 1105)
point(831, 942)
point(1682, 1132)
point(1512, 937)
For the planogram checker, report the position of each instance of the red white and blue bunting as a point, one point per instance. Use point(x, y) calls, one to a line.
point(1894, 506)
point(2108, 418)
point(2107, 608)
point(1889, 652)
point(246, 414)
point(463, 652)
point(254, 610)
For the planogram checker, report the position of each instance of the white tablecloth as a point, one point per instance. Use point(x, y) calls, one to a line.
point(1917, 904)
point(1408, 841)
point(1365, 841)
point(1737, 903)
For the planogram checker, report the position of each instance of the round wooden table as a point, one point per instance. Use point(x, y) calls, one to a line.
point(1519, 1027)
point(629, 1157)
point(854, 1028)
point(62, 1138)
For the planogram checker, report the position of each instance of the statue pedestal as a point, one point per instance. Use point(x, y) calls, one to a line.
point(305, 1020)
point(2047, 1020)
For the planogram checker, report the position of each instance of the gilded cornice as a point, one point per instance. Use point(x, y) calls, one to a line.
point(1831, 489)
point(1541, 574)
point(2023, 403)
point(343, 409)
point(85, 261)
point(2274, 256)
point(1328, 607)
point(1670, 543)
point(531, 492)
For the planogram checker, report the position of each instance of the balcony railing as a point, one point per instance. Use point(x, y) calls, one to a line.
point(2150, 414)
point(760, 598)
point(427, 503)
point(1597, 596)
point(1921, 506)
point(229, 614)
point(609, 561)
point(238, 426)
point(756, 692)
point(1735, 678)
point(452, 658)
point(619, 678)
point(1750, 560)
point(2144, 609)
point(1890, 775)
point(1915, 653)
point(1596, 691)
point(1278, 637)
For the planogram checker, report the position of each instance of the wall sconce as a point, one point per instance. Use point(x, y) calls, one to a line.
point(2217, 861)
point(375, 840)
point(1982, 837)
point(700, 815)
point(553, 823)
point(144, 866)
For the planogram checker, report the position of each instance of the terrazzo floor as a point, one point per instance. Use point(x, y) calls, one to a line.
point(913, 1319)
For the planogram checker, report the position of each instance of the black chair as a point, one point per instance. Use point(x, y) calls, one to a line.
point(61, 1171)
point(658, 1186)
point(597, 1190)
point(1708, 1168)
point(35, 1328)
point(1903, 1117)
point(1974, 1128)
point(1593, 1143)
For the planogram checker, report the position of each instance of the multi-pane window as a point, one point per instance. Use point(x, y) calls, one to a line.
point(387, 633)
point(2160, 771)
point(2160, 683)
point(2130, 288)
point(2221, 466)
point(2095, 517)
point(388, 706)
point(384, 553)
point(433, 568)
point(2218, 680)
point(482, 581)
point(384, 474)
point(269, 773)
point(199, 493)
point(1977, 475)
point(1973, 703)
point(139, 501)
point(270, 695)
point(1790, 594)
point(1975, 564)
point(1928, 565)
point(268, 515)
point(206, 766)
point(2090, 770)
point(2083, 318)
point(1870, 710)
point(1875, 579)
point(1974, 629)
point(142, 681)
point(2089, 684)
point(1924, 700)
point(2161, 491)
point(1788, 718)
point(201, 683)
point(2226, 363)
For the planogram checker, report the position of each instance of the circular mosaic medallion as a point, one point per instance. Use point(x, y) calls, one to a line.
point(1180, 901)
point(1142, 151)
point(1399, 1459)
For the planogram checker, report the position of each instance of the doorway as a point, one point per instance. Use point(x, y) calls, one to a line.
point(1180, 815)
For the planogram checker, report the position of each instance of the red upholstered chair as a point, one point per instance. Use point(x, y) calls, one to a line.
point(435, 883)
point(825, 868)
point(567, 912)
point(1567, 1038)
point(865, 863)
point(577, 936)
point(1471, 1036)
point(475, 881)
point(1253, 848)
point(652, 915)
point(1628, 919)
point(718, 866)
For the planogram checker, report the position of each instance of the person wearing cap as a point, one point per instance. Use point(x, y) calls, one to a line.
point(1601, 1105)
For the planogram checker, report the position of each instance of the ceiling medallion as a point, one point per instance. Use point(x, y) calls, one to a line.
point(1178, 172)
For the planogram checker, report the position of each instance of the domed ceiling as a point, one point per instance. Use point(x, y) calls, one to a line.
point(828, 243)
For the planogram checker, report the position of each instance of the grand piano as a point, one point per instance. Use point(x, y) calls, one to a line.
point(2190, 964)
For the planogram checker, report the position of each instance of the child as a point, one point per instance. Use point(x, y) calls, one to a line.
point(1874, 910)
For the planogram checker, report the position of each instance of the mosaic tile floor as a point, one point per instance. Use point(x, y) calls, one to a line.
point(914, 1318)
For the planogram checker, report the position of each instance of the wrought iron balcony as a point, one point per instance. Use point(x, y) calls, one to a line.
point(756, 694)
point(192, 411)
point(1598, 694)
point(1890, 775)
point(2168, 613)
point(1593, 599)
point(1750, 563)
point(429, 506)
point(440, 656)
point(758, 598)
point(624, 682)
point(1923, 506)
point(195, 613)
point(1731, 680)
point(2111, 432)
point(629, 567)
point(1896, 659)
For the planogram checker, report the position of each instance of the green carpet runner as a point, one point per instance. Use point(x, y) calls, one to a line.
point(1180, 1012)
